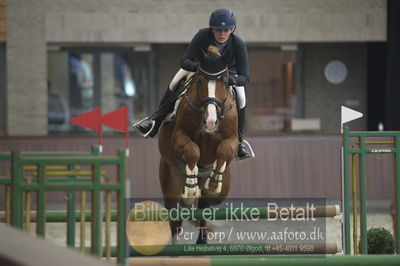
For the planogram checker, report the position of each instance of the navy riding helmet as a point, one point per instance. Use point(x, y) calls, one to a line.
point(222, 19)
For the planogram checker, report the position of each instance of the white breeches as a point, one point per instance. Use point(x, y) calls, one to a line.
point(241, 96)
point(178, 76)
point(240, 92)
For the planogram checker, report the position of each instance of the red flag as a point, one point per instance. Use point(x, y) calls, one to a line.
point(89, 119)
point(117, 119)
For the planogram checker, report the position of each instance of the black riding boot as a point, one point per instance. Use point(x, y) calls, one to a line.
point(242, 153)
point(150, 125)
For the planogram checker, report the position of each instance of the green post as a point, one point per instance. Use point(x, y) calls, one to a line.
point(121, 227)
point(71, 210)
point(41, 213)
point(16, 204)
point(347, 248)
point(71, 219)
point(71, 213)
point(397, 198)
point(363, 198)
point(96, 211)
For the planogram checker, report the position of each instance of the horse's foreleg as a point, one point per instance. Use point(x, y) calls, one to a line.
point(191, 153)
point(225, 153)
point(191, 189)
point(213, 183)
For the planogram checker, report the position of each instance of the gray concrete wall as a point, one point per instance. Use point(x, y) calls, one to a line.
point(32, 24)
point(168, 63)
point(175, 21)
point(323, 99)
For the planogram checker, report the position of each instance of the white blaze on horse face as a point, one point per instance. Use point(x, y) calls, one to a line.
point(211, 109)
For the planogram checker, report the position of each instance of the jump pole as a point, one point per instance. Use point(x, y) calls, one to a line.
point(236, 249)
point(346, 260)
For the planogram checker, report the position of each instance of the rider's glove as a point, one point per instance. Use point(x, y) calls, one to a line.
point(233, 80)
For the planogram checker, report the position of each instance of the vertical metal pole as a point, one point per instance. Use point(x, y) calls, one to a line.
point(16, 203)
point(71, 213)
point(121, 239)
point(28, 207)
point(96, 247)
point(82, 221)
point(108, 223)
point(41, 209)
point(397, 198)
point(345, 198)
point(71, 219)
point(354, 179)
point(363, 198)
point(8, 204)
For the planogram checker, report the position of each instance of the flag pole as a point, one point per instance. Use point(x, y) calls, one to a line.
point(101, 139)
point(127, 143)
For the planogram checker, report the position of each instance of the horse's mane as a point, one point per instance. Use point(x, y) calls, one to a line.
point(213, 50)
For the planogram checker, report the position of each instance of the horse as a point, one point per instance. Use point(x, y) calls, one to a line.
point(198, 146)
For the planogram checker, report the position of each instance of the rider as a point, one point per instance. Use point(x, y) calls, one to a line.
point(222, 24)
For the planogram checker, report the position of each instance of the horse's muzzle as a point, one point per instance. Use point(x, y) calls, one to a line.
point(210, 125)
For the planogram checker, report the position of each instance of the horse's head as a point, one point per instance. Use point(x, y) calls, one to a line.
point(212, 82)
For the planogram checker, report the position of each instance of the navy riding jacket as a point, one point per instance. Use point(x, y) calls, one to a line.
point(235, 46)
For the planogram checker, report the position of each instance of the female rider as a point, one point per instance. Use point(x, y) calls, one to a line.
point(222, 24)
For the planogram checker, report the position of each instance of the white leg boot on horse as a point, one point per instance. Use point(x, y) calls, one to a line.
point(213, 183)
point(191, 189)
point(190, 153)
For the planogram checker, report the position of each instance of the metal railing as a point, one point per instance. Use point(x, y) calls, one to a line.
point(358, 145)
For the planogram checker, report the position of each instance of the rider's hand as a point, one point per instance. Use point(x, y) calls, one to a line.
point(232, 80)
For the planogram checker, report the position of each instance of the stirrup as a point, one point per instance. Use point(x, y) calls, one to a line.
point(137, 124)
point(251, 152)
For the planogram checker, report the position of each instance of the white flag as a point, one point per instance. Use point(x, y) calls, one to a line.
point(348, 115)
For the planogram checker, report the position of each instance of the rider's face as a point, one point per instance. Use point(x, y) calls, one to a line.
point(221, 36)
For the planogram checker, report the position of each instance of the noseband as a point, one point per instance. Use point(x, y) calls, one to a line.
point(220, 105)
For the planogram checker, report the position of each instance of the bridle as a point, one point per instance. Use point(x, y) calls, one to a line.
point(220, 105)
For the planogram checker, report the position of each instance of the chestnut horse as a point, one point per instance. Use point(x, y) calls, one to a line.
point(198, 145)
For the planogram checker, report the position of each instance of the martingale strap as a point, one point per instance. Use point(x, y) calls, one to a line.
point(190, 185)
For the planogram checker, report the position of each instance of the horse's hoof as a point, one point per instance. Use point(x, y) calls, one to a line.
point(188, 202)
point(211, 194)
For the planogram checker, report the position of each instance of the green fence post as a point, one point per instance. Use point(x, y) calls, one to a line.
point(16, 204)
point(397, 187)
point(347, 241)
point(363, 197)
point(71, 213)
point(41, 208)
point(96, 210)
point(121, 227)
